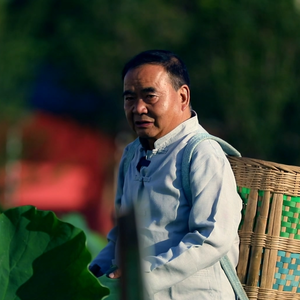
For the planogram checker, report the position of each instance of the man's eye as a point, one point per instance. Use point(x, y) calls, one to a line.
point(128, 98)
point(150, 97)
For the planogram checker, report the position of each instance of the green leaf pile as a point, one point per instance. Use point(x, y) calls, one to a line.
point(42, 257)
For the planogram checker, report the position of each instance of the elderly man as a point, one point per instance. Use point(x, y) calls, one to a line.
point(183, 240)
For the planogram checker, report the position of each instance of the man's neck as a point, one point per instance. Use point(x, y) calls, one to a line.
point(148, 144)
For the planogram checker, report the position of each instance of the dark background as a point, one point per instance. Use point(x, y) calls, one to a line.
point(62, 59)
point(65, 57)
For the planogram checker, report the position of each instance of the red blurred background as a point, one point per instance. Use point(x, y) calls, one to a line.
point(64, 167)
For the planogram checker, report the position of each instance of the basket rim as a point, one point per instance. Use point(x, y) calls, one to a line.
point(247, 161)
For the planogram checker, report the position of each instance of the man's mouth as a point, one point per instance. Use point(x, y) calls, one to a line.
point(142, 123)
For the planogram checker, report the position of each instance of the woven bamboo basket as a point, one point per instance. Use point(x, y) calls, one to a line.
point(269, 263)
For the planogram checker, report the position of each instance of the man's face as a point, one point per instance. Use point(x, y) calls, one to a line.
point(152, 106)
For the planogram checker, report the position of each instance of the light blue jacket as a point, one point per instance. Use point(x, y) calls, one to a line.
point(182, 244)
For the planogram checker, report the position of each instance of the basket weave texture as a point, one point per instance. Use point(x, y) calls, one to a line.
point(269, 263)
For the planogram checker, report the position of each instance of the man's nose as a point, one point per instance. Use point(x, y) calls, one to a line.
point(139, 107)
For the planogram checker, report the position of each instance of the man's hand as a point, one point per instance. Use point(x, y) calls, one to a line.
point(115, 274)
point(96, 270)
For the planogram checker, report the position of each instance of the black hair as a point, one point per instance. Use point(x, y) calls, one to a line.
point(173, 65)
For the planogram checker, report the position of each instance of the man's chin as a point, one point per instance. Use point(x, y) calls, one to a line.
point(143, 134)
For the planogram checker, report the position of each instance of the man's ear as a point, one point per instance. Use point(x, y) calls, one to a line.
point(184, 92)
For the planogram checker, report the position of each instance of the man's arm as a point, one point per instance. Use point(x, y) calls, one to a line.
point(106, 257)
point(104, 260)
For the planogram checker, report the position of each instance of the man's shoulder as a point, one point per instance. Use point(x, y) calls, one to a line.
point(133, 145)
point(201, 141)
point(204, 142)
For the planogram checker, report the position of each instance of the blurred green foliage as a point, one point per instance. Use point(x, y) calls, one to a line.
point(95, 241)
point(243, 58)
point(44, 258)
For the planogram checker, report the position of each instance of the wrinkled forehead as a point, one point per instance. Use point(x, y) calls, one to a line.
point(147, 75)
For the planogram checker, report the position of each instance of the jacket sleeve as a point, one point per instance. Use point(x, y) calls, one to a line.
point(213, 224)
point(106, 257)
